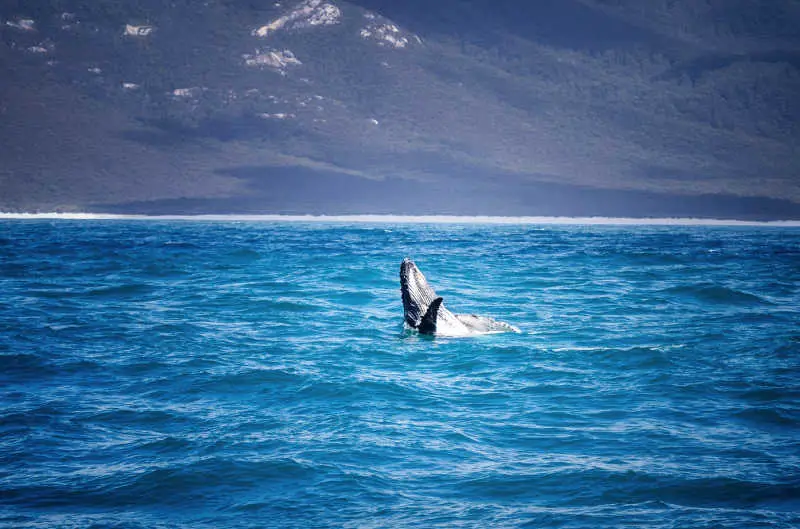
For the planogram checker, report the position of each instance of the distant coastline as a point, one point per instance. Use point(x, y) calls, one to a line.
point(411, 219)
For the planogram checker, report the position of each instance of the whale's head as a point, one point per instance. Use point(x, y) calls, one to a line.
point(417, 294)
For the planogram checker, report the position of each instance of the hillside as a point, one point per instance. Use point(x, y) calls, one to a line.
point(578, 107)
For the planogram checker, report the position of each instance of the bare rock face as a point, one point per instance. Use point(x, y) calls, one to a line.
point(305, 14)
point(385, 33)
point(137, 31)
point(278, 60)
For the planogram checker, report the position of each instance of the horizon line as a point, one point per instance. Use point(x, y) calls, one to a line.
point(411, 219)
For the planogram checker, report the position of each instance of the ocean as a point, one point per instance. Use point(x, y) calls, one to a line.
point(245, 373)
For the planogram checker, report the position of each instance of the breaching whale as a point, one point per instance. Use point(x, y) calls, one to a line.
point(423, 309)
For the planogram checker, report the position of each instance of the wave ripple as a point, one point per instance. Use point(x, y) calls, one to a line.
point(256, 374)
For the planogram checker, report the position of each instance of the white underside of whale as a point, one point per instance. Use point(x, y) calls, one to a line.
point(462, 325)
point(447, 324)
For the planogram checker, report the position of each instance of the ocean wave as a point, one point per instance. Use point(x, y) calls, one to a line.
point(257, 374)
point(710, 293)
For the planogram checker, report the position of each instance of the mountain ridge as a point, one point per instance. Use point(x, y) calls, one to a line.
point(466, 108)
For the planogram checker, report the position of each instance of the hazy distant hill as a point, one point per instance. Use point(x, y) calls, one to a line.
point(457, 106)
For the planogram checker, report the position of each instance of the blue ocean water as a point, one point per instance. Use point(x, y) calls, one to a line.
point(246, 374)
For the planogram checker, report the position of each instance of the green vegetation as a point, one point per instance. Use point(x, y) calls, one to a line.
point(671, 97)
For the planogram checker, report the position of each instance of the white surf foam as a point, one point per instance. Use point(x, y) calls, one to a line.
point(410, 219)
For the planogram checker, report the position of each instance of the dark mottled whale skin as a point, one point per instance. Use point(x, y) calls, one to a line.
point(424, 311)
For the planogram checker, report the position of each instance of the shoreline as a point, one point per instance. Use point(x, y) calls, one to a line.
point(410, 219)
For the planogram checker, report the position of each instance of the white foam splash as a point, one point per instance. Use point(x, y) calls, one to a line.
point(447, 331)
point(412, 219)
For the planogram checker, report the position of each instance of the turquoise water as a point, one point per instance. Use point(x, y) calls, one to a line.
point(235, 374)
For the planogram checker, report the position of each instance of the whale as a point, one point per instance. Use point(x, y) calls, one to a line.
point(424, 310)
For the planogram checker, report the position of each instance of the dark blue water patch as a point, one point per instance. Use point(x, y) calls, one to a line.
point(21, 366)
point(26, 419)
point(716, 294)
point(192, 483)
point(251, 382)
point(783, 418)
point(770, 394)
point(118, 292)
point(168, 446)
point(132, 417)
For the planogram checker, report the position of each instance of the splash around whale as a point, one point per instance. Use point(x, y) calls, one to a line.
point(424, 311)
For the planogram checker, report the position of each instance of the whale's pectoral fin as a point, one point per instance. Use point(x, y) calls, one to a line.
point(428, 323)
